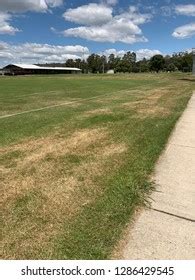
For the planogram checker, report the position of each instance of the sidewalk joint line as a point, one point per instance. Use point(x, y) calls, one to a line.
point(174, 215)
point(179, 145)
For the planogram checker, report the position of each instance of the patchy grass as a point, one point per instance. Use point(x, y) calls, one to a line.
point(72, 176)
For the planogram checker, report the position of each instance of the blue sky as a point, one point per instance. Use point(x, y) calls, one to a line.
point(33, 31)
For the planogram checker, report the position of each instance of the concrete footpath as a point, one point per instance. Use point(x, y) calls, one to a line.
point(167, 230)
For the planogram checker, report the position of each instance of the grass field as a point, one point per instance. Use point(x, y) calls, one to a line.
point(72, 175)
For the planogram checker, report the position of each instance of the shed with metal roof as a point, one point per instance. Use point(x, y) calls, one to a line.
point(30, 69)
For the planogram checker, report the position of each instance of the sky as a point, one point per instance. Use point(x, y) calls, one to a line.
point(40, 31)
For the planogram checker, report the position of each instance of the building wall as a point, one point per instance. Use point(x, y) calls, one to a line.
point(13, 70)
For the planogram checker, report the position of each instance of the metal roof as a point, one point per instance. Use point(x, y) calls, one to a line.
point(32, 67)
point(26, 66)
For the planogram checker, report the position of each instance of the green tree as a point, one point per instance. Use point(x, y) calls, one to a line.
point(128, 62)
point(183, 61)
point(103, 67)
point(70, 63)
point(97, 63)
point(157, 63)
point(94, 62)
point(77, 63)
point(111, 61)
point(143, 65)
point(171, 67)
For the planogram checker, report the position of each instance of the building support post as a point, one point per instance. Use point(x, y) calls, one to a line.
point(193, 67)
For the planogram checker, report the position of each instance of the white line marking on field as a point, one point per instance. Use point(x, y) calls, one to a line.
point(48, 107)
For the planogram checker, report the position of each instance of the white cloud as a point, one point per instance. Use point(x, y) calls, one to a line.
point(110, 2)
point(46, 49)
point(166, 11)
point(54, 3)
point(186, 10)
point(32, 53)
point(91, 14)
point(39, 53)
point(140, 54)
point(119, 53)
point(28, 5)
point(116, 31)
point(3, 46)
point(5, 51)
point(185, 31)
point(5, 55)
point(5, 27)
point(188, 30)
point(133, 15)
point(9, 7)
point(146, 53)
point(98, 24)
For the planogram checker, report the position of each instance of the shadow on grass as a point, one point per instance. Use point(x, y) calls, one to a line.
point(188, 79)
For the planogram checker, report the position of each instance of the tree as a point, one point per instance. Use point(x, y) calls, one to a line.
point(157, 63)
point(78, 63)
point(117, 63)
point(171, 67)
point(84, 66)
point(187, 62)
point(95, 63)
point(111, 61)
point(70, 63)
point(128, 61)
point(92, 61)
point(130, 57)
point(104, 65)
point(183, 61)
point(143, 65)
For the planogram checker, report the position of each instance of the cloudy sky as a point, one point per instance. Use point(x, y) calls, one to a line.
point(38, 31)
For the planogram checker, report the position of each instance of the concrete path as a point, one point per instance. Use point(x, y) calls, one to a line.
point(167, 230)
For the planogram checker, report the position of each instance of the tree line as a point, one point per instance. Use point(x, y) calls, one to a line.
point(128, 63)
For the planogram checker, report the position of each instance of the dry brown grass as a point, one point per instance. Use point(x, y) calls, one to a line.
point(113, 149)
point(150, 105)
point(158, 111)
point(33, 166)
point(44, 188)
point(101, 111)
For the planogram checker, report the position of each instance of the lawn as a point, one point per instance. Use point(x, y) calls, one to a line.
point(76, 157)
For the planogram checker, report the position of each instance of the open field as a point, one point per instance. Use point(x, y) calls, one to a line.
point(76, 157)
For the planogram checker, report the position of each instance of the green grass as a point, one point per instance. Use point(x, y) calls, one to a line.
point(72, 176)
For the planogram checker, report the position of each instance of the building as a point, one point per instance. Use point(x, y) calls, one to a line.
point(30, 69)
